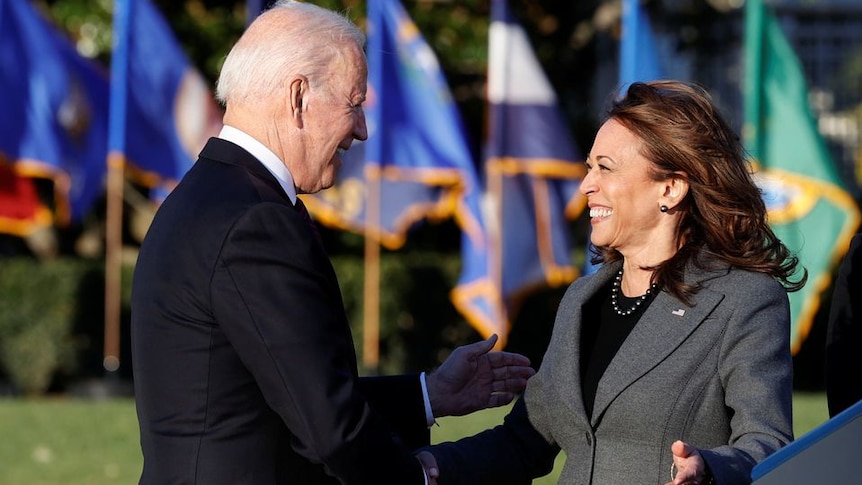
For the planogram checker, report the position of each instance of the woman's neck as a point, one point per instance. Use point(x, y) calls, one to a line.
point(636, 280)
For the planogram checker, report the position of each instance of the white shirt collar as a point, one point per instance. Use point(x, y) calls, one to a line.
point(264, 155)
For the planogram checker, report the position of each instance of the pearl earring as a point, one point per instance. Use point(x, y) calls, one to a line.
point(663, 208)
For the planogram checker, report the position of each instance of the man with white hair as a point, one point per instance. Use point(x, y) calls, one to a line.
point(244, 366)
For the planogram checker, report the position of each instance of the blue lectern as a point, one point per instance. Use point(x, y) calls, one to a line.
point(830, 453)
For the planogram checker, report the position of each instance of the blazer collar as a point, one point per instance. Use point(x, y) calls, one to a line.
point(665, 324)
point(662, 328)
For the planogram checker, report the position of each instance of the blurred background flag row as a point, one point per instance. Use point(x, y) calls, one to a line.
point(532, 170)
point(63, 114)
point(809, 209)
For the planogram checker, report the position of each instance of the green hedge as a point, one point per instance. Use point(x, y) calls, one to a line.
point(36, 321)
point(52, 317)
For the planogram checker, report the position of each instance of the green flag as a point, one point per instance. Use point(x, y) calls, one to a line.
point(808, 207)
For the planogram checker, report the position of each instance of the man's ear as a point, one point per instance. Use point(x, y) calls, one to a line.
point(297, 99)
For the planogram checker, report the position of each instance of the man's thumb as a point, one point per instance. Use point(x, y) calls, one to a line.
point(485, 346)
point(681, 449)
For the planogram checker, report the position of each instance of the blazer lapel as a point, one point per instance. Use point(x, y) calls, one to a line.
point(567, 361)
point(663, 327)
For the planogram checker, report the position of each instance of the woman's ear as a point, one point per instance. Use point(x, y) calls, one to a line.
point(675, 190)
point(297, 99)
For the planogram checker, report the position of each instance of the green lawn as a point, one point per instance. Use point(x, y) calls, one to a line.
point(69, 442)
point(81, 442)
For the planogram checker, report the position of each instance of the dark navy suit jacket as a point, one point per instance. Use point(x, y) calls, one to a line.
point(243, 359)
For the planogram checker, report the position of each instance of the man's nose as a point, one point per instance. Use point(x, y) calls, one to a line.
point(360, 130)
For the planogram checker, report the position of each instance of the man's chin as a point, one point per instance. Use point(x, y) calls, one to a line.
point(329, 177)
point(327, 181)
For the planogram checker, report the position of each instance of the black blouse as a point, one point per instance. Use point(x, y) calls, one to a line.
point(603, 331)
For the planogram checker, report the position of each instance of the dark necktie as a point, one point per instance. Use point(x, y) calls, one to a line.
point(300, 206)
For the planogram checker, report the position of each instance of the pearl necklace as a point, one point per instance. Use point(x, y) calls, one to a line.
point(615, 290)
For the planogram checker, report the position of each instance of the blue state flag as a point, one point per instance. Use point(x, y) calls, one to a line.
point(416, 162)
point(53, 121)
point(164, 109)
point(532, 173)
point(639, 51)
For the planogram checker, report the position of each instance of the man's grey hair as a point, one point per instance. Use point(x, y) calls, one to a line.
point(289, 38)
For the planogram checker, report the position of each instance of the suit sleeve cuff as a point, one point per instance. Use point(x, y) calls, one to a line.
point(429, 414)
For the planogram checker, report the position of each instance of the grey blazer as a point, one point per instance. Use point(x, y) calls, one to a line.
point(716, 374)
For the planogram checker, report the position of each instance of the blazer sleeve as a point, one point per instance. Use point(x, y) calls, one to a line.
point(756, 372)
point(399, 400)
point(512, 453)
point(276, 297)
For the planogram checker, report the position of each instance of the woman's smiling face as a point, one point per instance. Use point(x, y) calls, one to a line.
point(622, 197)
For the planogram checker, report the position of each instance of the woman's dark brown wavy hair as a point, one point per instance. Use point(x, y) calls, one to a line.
point(723, 214)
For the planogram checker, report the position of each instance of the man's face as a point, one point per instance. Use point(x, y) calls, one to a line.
point(333, 119)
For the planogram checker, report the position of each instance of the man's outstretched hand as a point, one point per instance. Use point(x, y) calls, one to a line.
point(474, 378)
point(688, 466)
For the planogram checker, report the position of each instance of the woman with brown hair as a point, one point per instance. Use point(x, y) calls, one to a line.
point(671, 364)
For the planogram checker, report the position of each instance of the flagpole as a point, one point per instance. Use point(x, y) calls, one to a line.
point(114, 190)
point(371, 286)
point(113, 261)
point(494, 170)
point(494, 178)
point(372, 170)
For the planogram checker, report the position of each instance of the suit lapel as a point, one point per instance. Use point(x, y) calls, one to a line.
point(663, 327)
point(223, 151)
